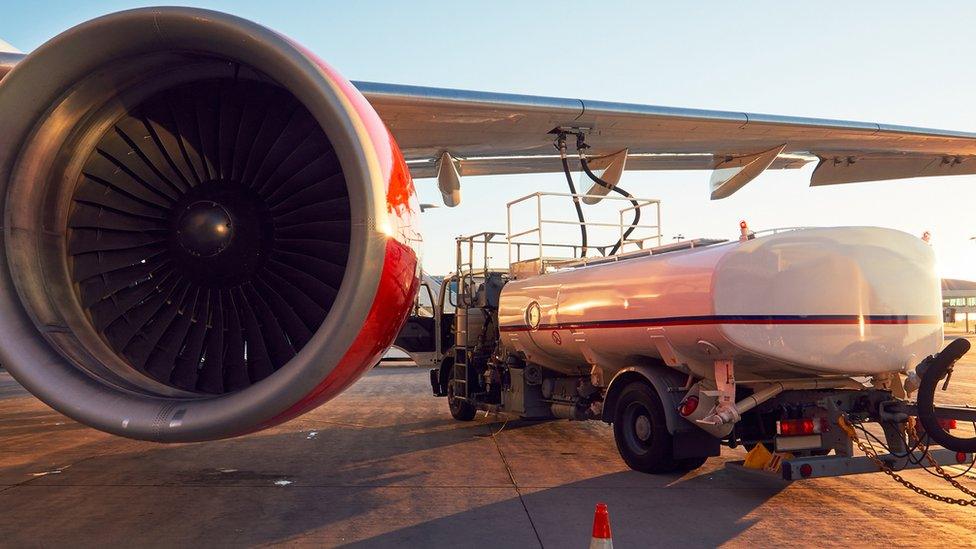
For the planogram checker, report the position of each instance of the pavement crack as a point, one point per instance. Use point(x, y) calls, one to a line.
point(515, 485)
point(25, 482)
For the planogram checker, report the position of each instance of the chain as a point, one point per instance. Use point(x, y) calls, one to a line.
point(852, 434)
point(935, 465)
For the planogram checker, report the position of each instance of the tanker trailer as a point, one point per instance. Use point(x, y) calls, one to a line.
point(774, 339)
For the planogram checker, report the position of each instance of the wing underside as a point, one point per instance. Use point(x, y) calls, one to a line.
point(491, 133)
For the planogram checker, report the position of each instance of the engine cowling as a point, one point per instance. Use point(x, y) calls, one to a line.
point(207, 230)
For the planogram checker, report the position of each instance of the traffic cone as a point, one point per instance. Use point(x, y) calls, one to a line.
point(602, 539)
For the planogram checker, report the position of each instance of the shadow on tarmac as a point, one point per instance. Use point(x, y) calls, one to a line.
point(292, 486)
point(653, 511)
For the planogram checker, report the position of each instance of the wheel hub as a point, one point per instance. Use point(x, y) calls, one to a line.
point(642, 428)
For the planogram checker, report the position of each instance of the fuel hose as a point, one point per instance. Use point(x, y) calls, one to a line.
point(633, 225)
point(561, 145)
point(936, 368)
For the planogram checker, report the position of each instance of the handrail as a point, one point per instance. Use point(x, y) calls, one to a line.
point(539, 241)
point(581, 195)
point(465, 262)
point(590, 224)
point(778, 230)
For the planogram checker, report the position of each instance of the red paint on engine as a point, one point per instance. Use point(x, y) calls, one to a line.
point(400, 277)
point(394, 297)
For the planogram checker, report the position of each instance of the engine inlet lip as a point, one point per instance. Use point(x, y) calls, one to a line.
point(109, 54)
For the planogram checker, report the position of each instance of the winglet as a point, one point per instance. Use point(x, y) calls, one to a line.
point(733, 174)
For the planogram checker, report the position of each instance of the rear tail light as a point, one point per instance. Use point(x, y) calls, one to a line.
point(945, 424)
point(796, 427)
point(688, 406)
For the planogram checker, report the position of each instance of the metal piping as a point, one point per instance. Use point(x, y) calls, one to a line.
point(778, 387)
point(734, 413)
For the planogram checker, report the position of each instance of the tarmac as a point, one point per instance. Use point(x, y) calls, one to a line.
point(384, 465)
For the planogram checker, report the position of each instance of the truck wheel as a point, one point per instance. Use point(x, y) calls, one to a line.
point(640, 431)
point(461, 410)
point(444, 375)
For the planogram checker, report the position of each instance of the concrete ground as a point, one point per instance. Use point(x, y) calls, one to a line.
point(385, 465)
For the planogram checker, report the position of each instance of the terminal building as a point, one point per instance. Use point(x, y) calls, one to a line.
point(958, 301)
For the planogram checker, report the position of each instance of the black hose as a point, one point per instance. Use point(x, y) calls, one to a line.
point(618, 190)
point(576, 201)
point(936, 368)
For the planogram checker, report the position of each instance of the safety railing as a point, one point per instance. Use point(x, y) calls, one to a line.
point(531, 249)
point(777, 230)
point(474, 261)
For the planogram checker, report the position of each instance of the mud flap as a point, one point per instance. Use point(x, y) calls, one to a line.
point(695, 443)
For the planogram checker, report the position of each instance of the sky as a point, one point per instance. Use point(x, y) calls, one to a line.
point(889, 62)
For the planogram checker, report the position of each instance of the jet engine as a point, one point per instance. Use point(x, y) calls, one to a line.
point(206, 230)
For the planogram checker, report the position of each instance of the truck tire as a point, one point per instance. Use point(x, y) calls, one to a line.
point(444, 372)
point(641, 434)
point(461, 410)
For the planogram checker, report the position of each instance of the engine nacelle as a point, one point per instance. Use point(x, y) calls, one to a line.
point(207, 230)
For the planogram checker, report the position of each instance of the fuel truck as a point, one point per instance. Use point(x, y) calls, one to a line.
point(789, 339)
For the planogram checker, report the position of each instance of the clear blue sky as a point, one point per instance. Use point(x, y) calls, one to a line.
point(896, 62)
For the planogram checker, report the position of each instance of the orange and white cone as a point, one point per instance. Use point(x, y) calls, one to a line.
point(602, 539)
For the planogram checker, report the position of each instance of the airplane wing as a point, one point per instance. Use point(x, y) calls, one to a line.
point(9, 56)
point(493, 133)
point(5, 47)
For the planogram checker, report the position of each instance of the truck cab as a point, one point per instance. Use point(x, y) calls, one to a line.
point(429, 331)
